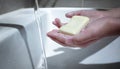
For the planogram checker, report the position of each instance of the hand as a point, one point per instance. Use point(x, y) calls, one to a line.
point(101, 24)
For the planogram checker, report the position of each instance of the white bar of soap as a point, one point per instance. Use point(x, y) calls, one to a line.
point(75, 25)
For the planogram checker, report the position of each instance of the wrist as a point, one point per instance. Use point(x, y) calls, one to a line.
point(115, 12)
point(114, 26)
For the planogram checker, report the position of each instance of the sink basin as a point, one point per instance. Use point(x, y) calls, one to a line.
point(19, 42)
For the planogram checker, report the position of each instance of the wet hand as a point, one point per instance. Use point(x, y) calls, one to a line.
point(101, 24)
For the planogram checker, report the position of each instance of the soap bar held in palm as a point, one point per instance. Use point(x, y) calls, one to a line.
point(75, 25)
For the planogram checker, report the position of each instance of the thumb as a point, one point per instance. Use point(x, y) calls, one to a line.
point(87, 13)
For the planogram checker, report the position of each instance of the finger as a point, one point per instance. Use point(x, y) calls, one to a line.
point(83, 36)
point(83, 45)
point(56, 35)
point(58, 23)
point(87, 41)
point(65, 40)
point(73, 13)
point(61, 43)
point(88, 13)
point(66, 43)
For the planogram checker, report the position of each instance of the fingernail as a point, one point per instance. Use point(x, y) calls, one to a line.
point(70, 13)
point(82, 30)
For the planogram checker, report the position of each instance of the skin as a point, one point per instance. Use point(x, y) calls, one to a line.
point(101, 24)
